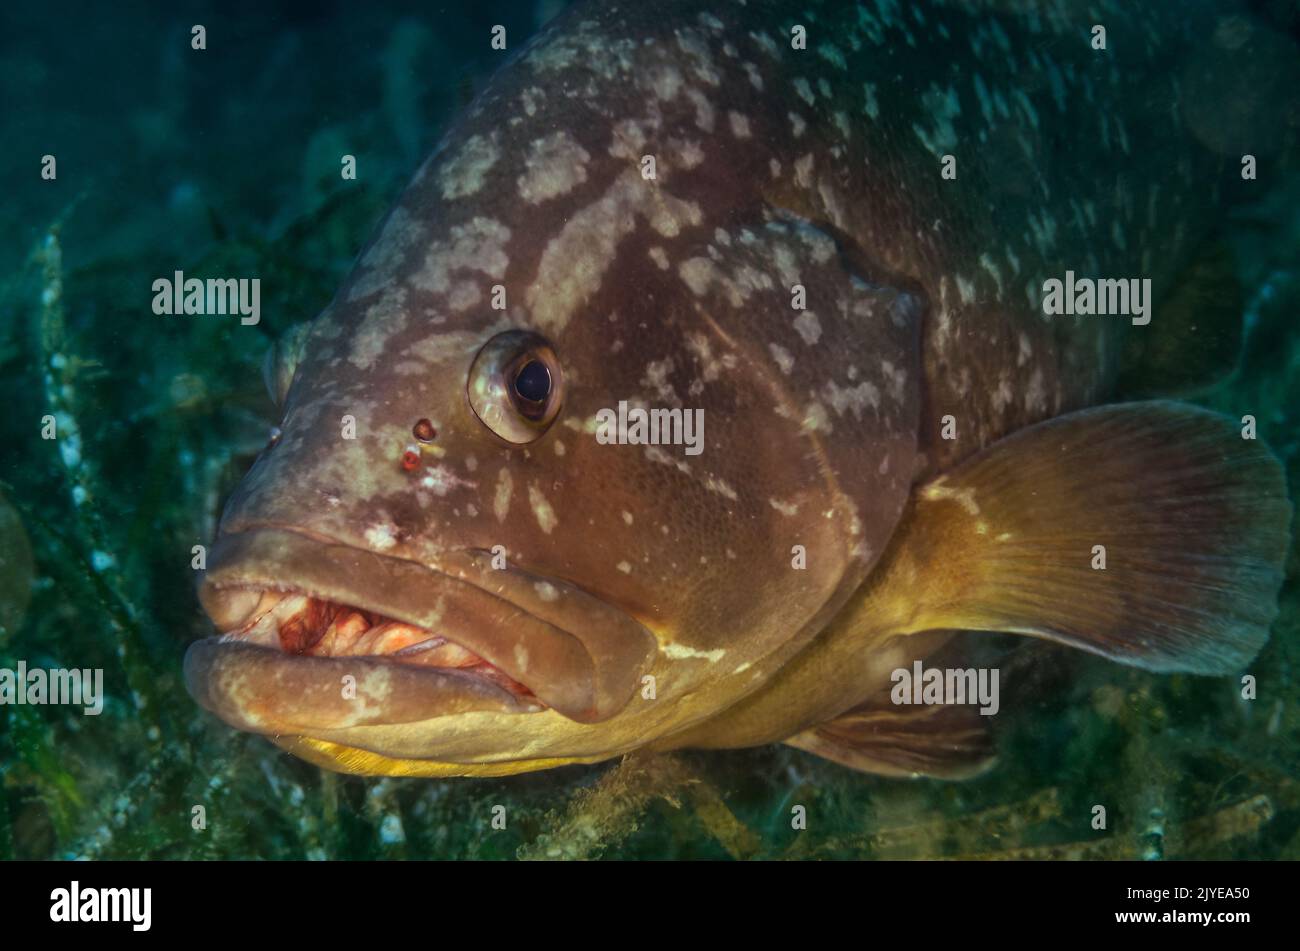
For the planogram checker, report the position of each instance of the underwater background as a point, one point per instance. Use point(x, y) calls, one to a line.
point(226, 161)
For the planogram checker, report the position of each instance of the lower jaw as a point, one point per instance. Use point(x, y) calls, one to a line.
point(361, 762)
point(263, 690)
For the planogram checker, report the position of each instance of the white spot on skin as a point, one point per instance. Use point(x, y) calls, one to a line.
point(464, 296)
point(689, 154)
point(872, 105)
point(384, 318)
point(624, 567)
point(787, 509)
point(400, 234)
point(1002, 396)
point(627, 518)
point(853, 399)
point(1026, 350)
point(546, 591)
point(477, 245)
point(765, 43)
point(697, 48)
point(710, 367)
point(659, 257)
point(656, 379)
point(804, 90)
point(809, 327)
point(832, 55)
point(441, 480)
point(682, 652)
point(542, 510)
point(703, 109)
point(782, 357)
point(1036, 392)
point(698, 273)
point(380, 536)
point(939, 489)
point(464, 174)
point(555, 165)
point(574, 262)
point(896, 379)
point(501, 501)
point(629, 140)
point(719, 487)
point(989, 265)
point(530, 97)
point(665, 82)
point(942, 106)
point(797, 124)
point(803, 171)
point(739, 125)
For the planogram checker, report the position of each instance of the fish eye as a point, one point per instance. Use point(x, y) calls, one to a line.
point(515, 386)
point(531, 387)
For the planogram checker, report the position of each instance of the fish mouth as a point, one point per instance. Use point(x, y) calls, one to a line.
point(318, 635)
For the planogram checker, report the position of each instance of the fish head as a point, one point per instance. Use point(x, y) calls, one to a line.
point(451, 562)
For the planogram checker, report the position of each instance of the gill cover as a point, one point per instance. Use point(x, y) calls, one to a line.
point(808, 370)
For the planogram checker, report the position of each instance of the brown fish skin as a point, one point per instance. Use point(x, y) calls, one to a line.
point(774, 167)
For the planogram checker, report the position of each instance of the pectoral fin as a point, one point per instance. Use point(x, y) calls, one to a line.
point(943, 742)
point(1150, 533)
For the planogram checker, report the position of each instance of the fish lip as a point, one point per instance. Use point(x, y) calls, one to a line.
point(579, 655)
point(263, 690)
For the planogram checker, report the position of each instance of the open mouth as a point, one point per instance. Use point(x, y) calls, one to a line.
point(320, 637)
point(301, 624)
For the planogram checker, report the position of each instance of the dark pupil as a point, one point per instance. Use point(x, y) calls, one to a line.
point(533, 382)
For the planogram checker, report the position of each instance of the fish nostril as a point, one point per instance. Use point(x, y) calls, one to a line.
point(424, 431)
point(229, 608)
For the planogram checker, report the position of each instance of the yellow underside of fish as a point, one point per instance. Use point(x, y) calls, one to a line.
point(350, 759)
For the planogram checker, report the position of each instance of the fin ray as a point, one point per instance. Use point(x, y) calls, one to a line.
point(941, 742)
point(1193, 521)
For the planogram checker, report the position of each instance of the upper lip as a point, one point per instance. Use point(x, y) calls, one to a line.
point(576, 653)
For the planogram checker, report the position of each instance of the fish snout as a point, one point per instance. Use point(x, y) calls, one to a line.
point(299, 614)
point(229, 608)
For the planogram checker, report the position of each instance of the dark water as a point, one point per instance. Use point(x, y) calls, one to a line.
point(226, 162)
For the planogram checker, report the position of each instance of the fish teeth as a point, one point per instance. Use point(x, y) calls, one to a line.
point(392, 637)
point(268, 617)
point(300, 630)
point(302, 624)
point(342, 635)
point(438, 652)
